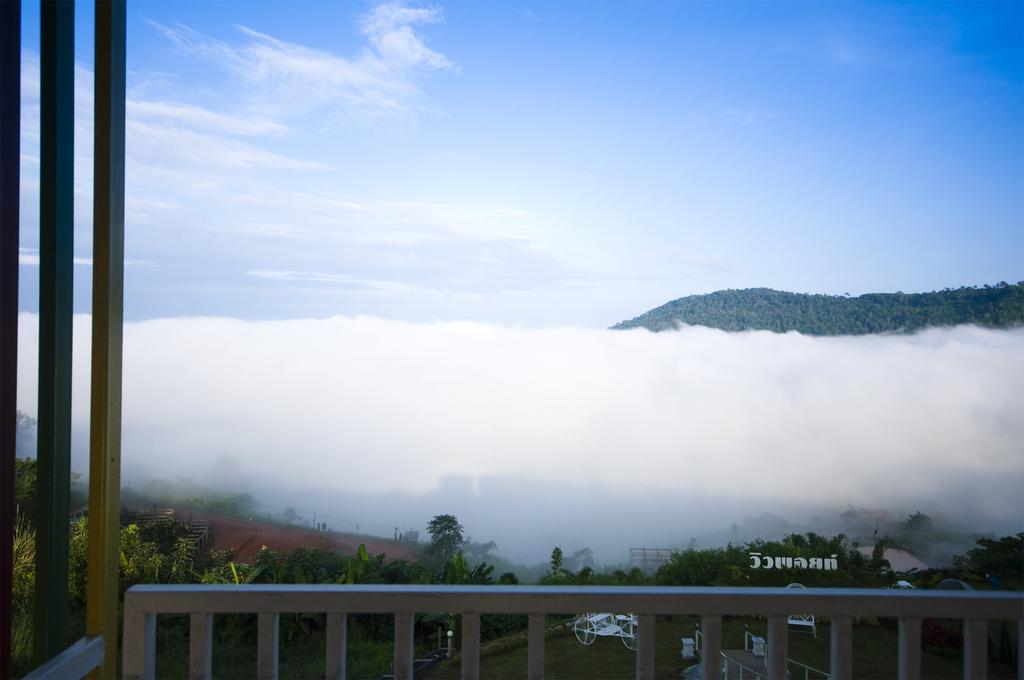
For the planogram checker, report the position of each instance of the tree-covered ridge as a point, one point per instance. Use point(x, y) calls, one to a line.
point(998, 306)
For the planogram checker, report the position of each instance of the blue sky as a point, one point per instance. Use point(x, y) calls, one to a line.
point(550, 163)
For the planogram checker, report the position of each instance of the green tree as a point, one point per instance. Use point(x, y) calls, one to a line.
point(998, 560)
point(582, 558)
point(478, 552)
point(699, 568)
point(446, 537)
point(556, 560)
point(557, 573)
point(918, 523)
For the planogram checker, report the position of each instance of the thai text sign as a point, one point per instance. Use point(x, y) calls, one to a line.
point(759, 561)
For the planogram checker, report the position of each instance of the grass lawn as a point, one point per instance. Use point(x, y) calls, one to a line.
point(874, 654)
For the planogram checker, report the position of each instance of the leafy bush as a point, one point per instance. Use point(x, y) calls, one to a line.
point(1000, 561)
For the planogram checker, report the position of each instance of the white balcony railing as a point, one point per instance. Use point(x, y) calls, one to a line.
point(144, 603)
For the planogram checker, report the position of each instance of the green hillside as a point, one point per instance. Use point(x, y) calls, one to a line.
point(999, 306)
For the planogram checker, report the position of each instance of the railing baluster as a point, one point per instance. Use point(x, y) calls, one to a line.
point(470, 646)
point(842, 648)
point(975, 649)
point(711, 652)
point(337, 646)
point(910, 648)
point(403, 646)
point(268, 629)
point(778, 646)
point(200, 647)
point(645, 647)
point(535, 648)
point(139, 653)
point(1020, 648)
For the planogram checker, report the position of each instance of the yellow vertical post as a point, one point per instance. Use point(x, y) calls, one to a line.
point(107, 326)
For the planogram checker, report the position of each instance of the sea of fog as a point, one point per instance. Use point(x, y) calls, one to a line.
point(567, 436)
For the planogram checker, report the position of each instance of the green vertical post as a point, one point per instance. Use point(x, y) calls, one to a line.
point(107, 331)
point(10, 168)
point(56, 241)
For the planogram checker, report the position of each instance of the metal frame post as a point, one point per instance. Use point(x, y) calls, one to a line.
point(56, 247)
point(10, 169)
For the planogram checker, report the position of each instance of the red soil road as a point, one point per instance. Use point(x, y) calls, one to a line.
point(246, 537)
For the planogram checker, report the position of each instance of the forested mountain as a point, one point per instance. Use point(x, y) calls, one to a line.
point(999, 306)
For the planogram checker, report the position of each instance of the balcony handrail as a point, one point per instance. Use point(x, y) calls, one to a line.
point(144, 602)
point(74, 662)
point(369, 599)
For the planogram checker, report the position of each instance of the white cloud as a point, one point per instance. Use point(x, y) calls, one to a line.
point(746, 115)
point(288, 79)
point(389, 28)
point(196, 117)
point(29, 257)
point(190, 152)
point(363, 288)
point(313, 277)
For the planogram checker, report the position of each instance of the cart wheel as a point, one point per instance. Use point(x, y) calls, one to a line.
point(629, 629)
point(584, 630)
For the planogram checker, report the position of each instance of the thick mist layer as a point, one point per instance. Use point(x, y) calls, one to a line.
point(654, 434)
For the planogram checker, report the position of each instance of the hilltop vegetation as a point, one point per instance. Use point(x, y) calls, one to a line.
point(999, 306)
